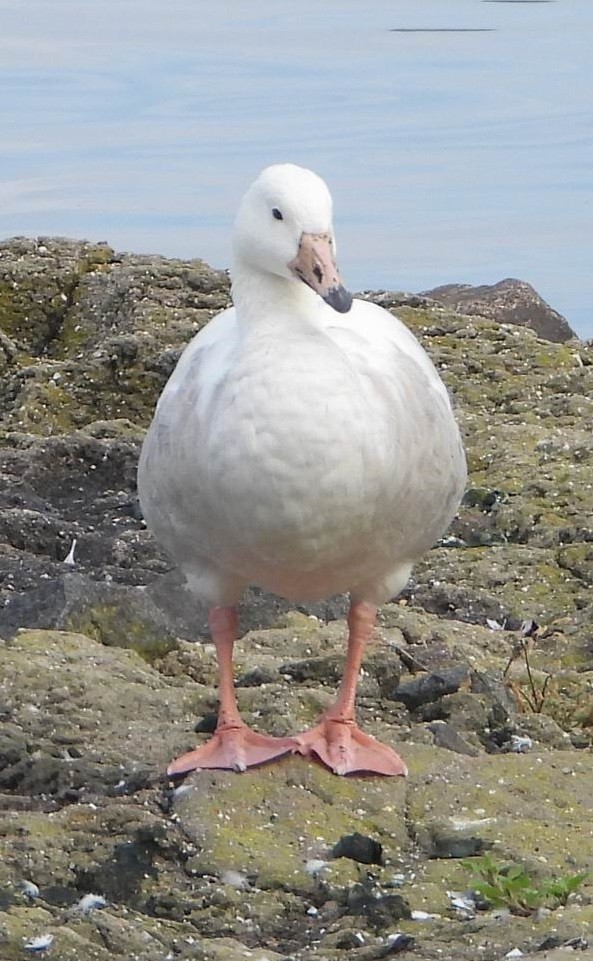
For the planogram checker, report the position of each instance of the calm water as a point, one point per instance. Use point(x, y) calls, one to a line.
point(456, 135)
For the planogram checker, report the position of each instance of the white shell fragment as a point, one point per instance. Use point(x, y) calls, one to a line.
point(90, 902)
point(463, 904)
point(41, 943)
point(521, 743)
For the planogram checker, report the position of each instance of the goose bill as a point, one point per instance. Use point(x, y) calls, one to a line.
point(314, 264)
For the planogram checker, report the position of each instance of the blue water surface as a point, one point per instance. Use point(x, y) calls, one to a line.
point(455, 135)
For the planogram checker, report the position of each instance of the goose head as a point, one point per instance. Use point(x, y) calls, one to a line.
point(284, 228)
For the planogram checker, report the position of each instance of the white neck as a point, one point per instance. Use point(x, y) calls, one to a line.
point(258, 294)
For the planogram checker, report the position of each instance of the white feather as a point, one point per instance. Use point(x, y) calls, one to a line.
point(69, 559)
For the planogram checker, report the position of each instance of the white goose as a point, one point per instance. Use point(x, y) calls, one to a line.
point(305, 444)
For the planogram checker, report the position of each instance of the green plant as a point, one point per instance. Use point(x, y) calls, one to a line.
point(535, 699)
point(561, 888)
point(510, 886)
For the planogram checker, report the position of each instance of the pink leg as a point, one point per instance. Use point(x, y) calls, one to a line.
point(233, 746)
point(337, 740)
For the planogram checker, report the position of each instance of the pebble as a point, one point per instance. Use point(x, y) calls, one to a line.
point(29, 889)
point(359, 848)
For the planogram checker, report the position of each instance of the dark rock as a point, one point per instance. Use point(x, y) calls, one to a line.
point(395, 945)
point(439, 841)
point(115, 615)
point(446, 736)
point(483, 498)
point(390, 299)
point(121, 876)
point(380, 911)
point(134, 782)
point(554, 941)
point(112, 613)
point(326, 669)
point(359, 848)
point(256, 677)
point(37, 774)
point(577, 944)
point(429, 687)
point(499, 692)
point(348, 941)
point(207, 723)
point(508, 302)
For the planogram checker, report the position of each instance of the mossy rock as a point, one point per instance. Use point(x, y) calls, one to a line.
point(578, 559)
point(267, 823)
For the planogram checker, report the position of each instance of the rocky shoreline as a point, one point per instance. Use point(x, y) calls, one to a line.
point(101, 680)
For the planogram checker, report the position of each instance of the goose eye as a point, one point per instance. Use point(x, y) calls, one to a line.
point(277, 214)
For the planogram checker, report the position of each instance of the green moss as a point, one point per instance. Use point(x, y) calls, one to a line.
point(32, 309)
point(554, 356)
point(112, 626)
point(96, 256)
point(578, 559)
point(525, 805)
point(239, 827)
point(45, 408)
